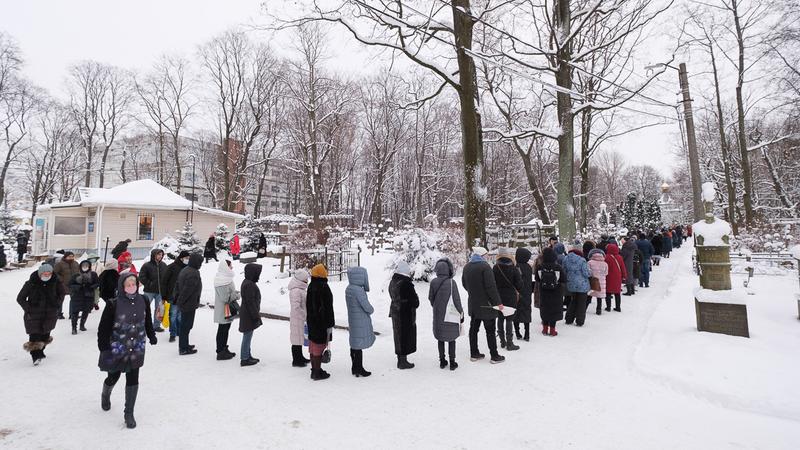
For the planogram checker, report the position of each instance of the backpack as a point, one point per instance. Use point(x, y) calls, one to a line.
point(548, 279)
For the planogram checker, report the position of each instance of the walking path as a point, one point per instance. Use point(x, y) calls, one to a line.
point(585, 389)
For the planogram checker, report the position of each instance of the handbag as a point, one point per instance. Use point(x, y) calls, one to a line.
point(451, 313)
point(326, 355)
point(232, 310)
point(594, 284)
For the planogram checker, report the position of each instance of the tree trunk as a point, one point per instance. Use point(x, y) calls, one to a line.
point(106, 148)
point(471, 140)
point(747, 174)
point(723, 142)
point(530, 175)
point(257, 206)
point(586, 129)
point(566, 151)
point(776, 183)
point(89, 157)
point(177, 156)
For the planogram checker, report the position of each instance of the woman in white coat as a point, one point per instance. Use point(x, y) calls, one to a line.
point(297, 316)
point(224, 293)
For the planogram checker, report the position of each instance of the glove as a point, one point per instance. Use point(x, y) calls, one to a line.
point(153, 340)
point(96, 307)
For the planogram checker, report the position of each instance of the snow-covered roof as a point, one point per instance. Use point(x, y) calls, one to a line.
point(282, 218)
point(144, 194)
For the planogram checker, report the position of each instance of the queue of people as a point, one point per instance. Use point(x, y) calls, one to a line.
point(500, 298)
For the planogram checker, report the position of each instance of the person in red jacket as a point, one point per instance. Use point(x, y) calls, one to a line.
point(616, 273)
point(125, 262)
point(235, 247)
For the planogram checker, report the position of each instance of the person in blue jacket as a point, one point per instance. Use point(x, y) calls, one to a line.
point(647, 249)
point(359, 311)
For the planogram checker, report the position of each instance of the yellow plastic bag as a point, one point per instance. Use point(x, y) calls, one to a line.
point(165, 320)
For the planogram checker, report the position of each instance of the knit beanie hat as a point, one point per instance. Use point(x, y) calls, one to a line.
point(45, 268)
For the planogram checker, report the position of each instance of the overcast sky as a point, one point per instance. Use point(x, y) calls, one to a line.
point(55, 34)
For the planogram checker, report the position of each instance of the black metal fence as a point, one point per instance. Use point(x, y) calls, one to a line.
point(336, 261)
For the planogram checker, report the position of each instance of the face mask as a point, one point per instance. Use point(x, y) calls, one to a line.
point(131, 290)
point(46, 279)
point(185, 261)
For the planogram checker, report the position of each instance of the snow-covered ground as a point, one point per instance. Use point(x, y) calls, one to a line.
point(640, 379)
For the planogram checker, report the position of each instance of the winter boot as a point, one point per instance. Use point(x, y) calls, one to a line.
point(527, 337)
point(553, 331)
point(617, 304)
point(74, 320)
point(297, 356)
point(105, 397)
point(599, 307)
point(403, 364)
point(316, 369)
point(476, 356)
point(497, 359)
point(545, 330)
point(628, 290)
point(510, 346)
point(83, 321)
point(225, 354)
point(130, 402)
point(608, 303)
point(442, 360)
point(358, 364)
point(516, 330)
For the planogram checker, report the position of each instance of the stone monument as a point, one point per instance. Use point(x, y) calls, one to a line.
point(719, 309)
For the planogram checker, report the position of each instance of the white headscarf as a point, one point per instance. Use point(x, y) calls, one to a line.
point(224, 275)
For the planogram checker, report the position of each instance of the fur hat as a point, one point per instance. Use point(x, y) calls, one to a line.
point(480, 251)
point(319, 271)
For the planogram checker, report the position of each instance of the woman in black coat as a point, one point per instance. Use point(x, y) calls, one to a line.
point(250, 314)
point(124, 325)
point(262, 246)
point(40, 299)
point(550, 278)
point(210, 251)
point(108, 279)
point(320, 319)
point(509, 284)
point(524, 309)
point(403, 312)
point(81, 295)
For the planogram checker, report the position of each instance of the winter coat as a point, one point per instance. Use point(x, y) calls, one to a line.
point(40, 300)
point(439, 295)
point(647, 249)
point(123, 258)
point(65, 270)
point(403, 312)
point(508, 281)
point(22, 243)
point(210, 250)
point(121, 334)
point(551, 307)
point(297, 306)
point(577, 270)
point(170, 279)
point(250, 314)
point(637, 265)
point(108, 284)
point(82, 287)
point(561, 253)
point(478, 279)
point(319, 309)
point(628, 252)
point(189, 285)
point(120, 248)
point(598, 268)
point(222, 296)
point(151, 273)
point(524, 308)
point(234, 246)
point(657, 245)
point(616, 270)
point(359, 309)
point(666, 243)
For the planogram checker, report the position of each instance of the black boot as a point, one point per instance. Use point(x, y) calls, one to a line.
point(516, 330)
point(316, 369)
point(105, 397)
point(628, 290)
point(608, 303)
point(617, 304)
point(527, 337)
point(599, 307)
point(403, 364)
point(358, 364)
point(74, 320)
point(130, 402)
point(442, 360)
point(297, 356)
point(83, 321)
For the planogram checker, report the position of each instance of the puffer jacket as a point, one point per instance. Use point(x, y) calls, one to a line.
point(598, 268)
point(250, 314)
point(189, 286)
point(359, 309)
point(297, 306)
point(40, 301)
point(577, 270)
point(152, 273)
point(439, 295)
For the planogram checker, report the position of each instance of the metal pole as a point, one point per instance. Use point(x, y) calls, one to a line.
point(193, 183)
point(105, 254)
point(694, 164)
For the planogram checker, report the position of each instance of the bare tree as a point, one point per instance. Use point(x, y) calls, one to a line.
point(18, 105)
point(165, 93)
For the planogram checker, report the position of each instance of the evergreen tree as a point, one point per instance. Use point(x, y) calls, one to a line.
point(188, 240)
point(221, 237)
point(7, 225)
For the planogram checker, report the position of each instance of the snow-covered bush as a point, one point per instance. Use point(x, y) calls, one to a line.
point(418, 248)
point(169, 245)
point(766, 238)
point(187, 240)
point(222, 238)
